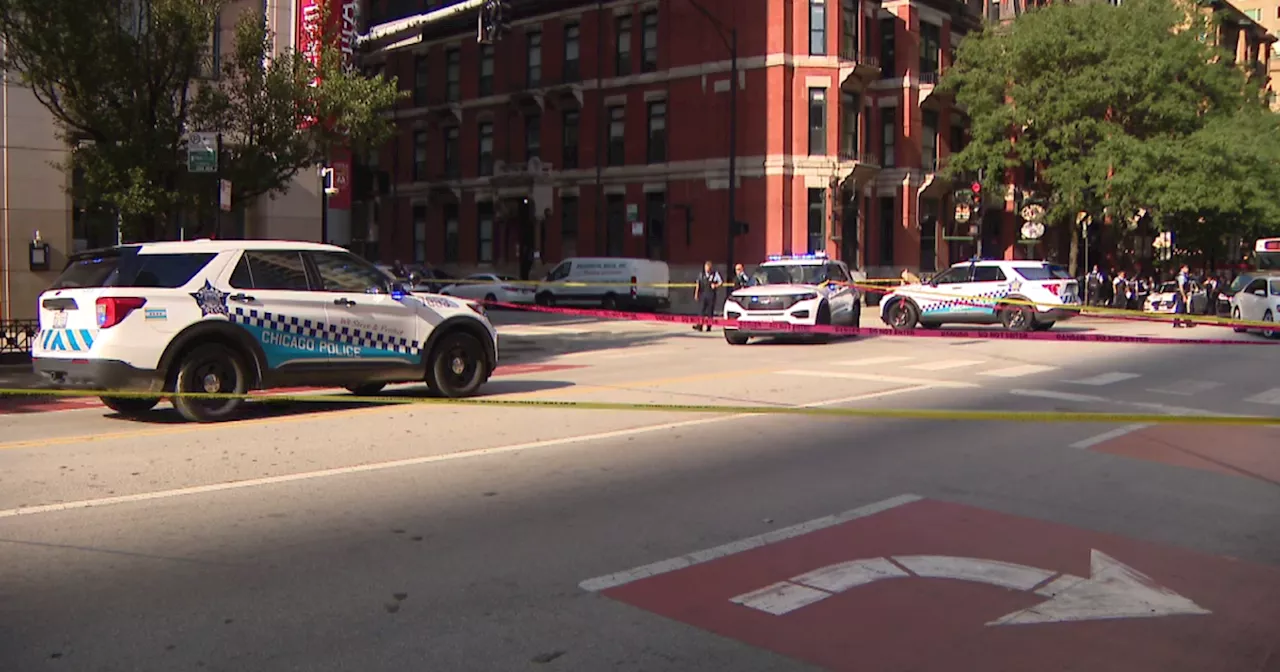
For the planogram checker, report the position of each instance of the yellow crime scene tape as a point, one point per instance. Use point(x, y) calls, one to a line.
point(811, 411)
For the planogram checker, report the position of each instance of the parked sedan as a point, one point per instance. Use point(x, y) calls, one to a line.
point(1161, 300)
point(489, 287)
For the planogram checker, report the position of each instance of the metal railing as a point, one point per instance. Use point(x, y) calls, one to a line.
point(17, 336)
point(848, 53)
point(860, 157)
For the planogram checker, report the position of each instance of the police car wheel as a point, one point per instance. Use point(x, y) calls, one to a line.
point(367, 390)
point(1016, 318)
point(1235, 315)
point(824, 319)
point(856, 320)
point(130, 406)
point(735, 338)
point(214, 369)
point(903, 315)
point(458, 366)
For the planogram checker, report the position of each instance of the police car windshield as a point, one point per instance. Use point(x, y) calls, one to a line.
point(790, 274)
point(1046, 272)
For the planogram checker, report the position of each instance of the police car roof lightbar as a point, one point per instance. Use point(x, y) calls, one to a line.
point(787, 257)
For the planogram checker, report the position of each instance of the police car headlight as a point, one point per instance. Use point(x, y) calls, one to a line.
point(808, 296)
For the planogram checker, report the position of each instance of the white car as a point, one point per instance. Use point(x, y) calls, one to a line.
point(232, 316)
point(801, 290)
point(986, 292)
point(1259, 301)
point(1161, 300)
point(491, 288)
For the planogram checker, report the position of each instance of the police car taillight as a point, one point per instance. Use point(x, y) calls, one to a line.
point(113, 309)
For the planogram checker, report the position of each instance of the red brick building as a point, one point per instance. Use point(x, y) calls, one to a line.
point(601, 128)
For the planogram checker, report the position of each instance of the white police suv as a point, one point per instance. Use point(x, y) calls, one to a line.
point(799, 290)
point(232, 316)
point(1021, 295)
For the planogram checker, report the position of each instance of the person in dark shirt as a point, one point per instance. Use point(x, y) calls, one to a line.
point(740, 277)
point(705, 294)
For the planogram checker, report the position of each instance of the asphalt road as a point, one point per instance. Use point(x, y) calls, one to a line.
point(426, 537)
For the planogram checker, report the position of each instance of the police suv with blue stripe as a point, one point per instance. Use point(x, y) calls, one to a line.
point(232, 316)
point(800, 290)
point(1020, 295)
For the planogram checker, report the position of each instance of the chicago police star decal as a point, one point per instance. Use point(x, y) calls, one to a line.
point(211, 300)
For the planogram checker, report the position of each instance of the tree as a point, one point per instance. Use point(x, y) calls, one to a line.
point(125, 82)
point(1112, 109)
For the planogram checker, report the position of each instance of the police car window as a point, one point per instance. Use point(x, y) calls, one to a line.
point(126, 268)
point(988, 274)
point(341, 272)
point(1046, 272)
point(1275, 288)
point(836, 271)
point(952, 275)
point(1257, 285)
point(265, 269)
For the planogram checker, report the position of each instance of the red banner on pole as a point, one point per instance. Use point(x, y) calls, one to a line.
point(343, 23)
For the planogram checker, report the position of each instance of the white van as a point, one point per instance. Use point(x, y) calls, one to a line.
point(609, 282)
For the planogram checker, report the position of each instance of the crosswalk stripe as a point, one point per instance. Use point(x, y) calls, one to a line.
point(946, 365)
point(1187, 388)
point(873, 361)
point(1105, 379)
point(1271, 396)
point(1018, 371)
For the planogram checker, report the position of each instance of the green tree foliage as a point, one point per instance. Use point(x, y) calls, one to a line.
point(125, 82)
point(1118, 108)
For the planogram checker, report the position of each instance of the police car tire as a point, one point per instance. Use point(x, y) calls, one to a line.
point(442, 375)
point(909, 313)
point(130, 406)
point(209, 410)
point(735, 338)
point(366, 390)
point(1007, 318)
point(823, 319)
point(1235, 315)
point(856, 320)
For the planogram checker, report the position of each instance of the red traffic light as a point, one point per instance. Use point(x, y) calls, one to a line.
point(976, 187)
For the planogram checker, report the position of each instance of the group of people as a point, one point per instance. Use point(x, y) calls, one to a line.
point(1130, 293)
point(704, 291)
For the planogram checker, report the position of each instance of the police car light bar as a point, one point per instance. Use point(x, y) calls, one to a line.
point(785, 257)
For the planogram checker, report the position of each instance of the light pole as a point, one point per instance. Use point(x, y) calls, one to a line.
point(731, 43)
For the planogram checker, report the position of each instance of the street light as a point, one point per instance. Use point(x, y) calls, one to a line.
point(731, 43)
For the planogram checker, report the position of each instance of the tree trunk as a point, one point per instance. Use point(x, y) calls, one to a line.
point(1073, 257)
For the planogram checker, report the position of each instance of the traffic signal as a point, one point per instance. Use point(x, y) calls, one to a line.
point(492, 21)
point(976, 188)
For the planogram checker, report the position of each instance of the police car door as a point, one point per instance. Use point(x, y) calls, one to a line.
point(367, 326)
point(839, 293)
point(989, 284)
point(271, 298)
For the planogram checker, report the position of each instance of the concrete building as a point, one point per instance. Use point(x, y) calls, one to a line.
point(601, 128)
point(36, 195)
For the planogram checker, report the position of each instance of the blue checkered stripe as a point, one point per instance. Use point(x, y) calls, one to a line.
point(976, 302)
point(322, 331)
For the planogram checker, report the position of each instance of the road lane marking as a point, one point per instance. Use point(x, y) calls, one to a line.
point(874, 361)
point(697, 558)
point(877, 378)
point(1092, 399)
point(413, 461)
point(946, 365)
point(1105, 379)
point(1018, 371)
point(1107, 436)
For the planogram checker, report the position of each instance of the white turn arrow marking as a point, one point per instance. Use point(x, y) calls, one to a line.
point(1113, 589)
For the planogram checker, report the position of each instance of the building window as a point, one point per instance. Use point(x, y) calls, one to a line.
point(568, 225)
point(572, 52)
point(930, 50)
point(888, 216)
point(848, 126)
point(569, 141)
point(532, 136)
point(452, 164)
point(655, 235)
point(957, 139)
point(1255, 14)
point(421, 80)
point(617, 143)
point(419, 233)
point(929, 141)
point(817, 121)
point(485, 147)
point(533, 62)
point(657, 152)
point(484, 232)
point(849, 29)
point(817, 220)
point(450, 233)
point(888, 47)
point(419, 156)
point(622, 52)
point(888, 136)
point(486, 69)
point(649, 57)
point(817, 27)
point(929, 209)
point(452, 75)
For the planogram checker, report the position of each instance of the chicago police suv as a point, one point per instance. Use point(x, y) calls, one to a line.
point(231, 316)
point(800, 290)
point(986, 292)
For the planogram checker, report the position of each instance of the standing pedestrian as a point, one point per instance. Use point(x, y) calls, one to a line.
point(740, 277)
point(705, 294)
point(1182, 299)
